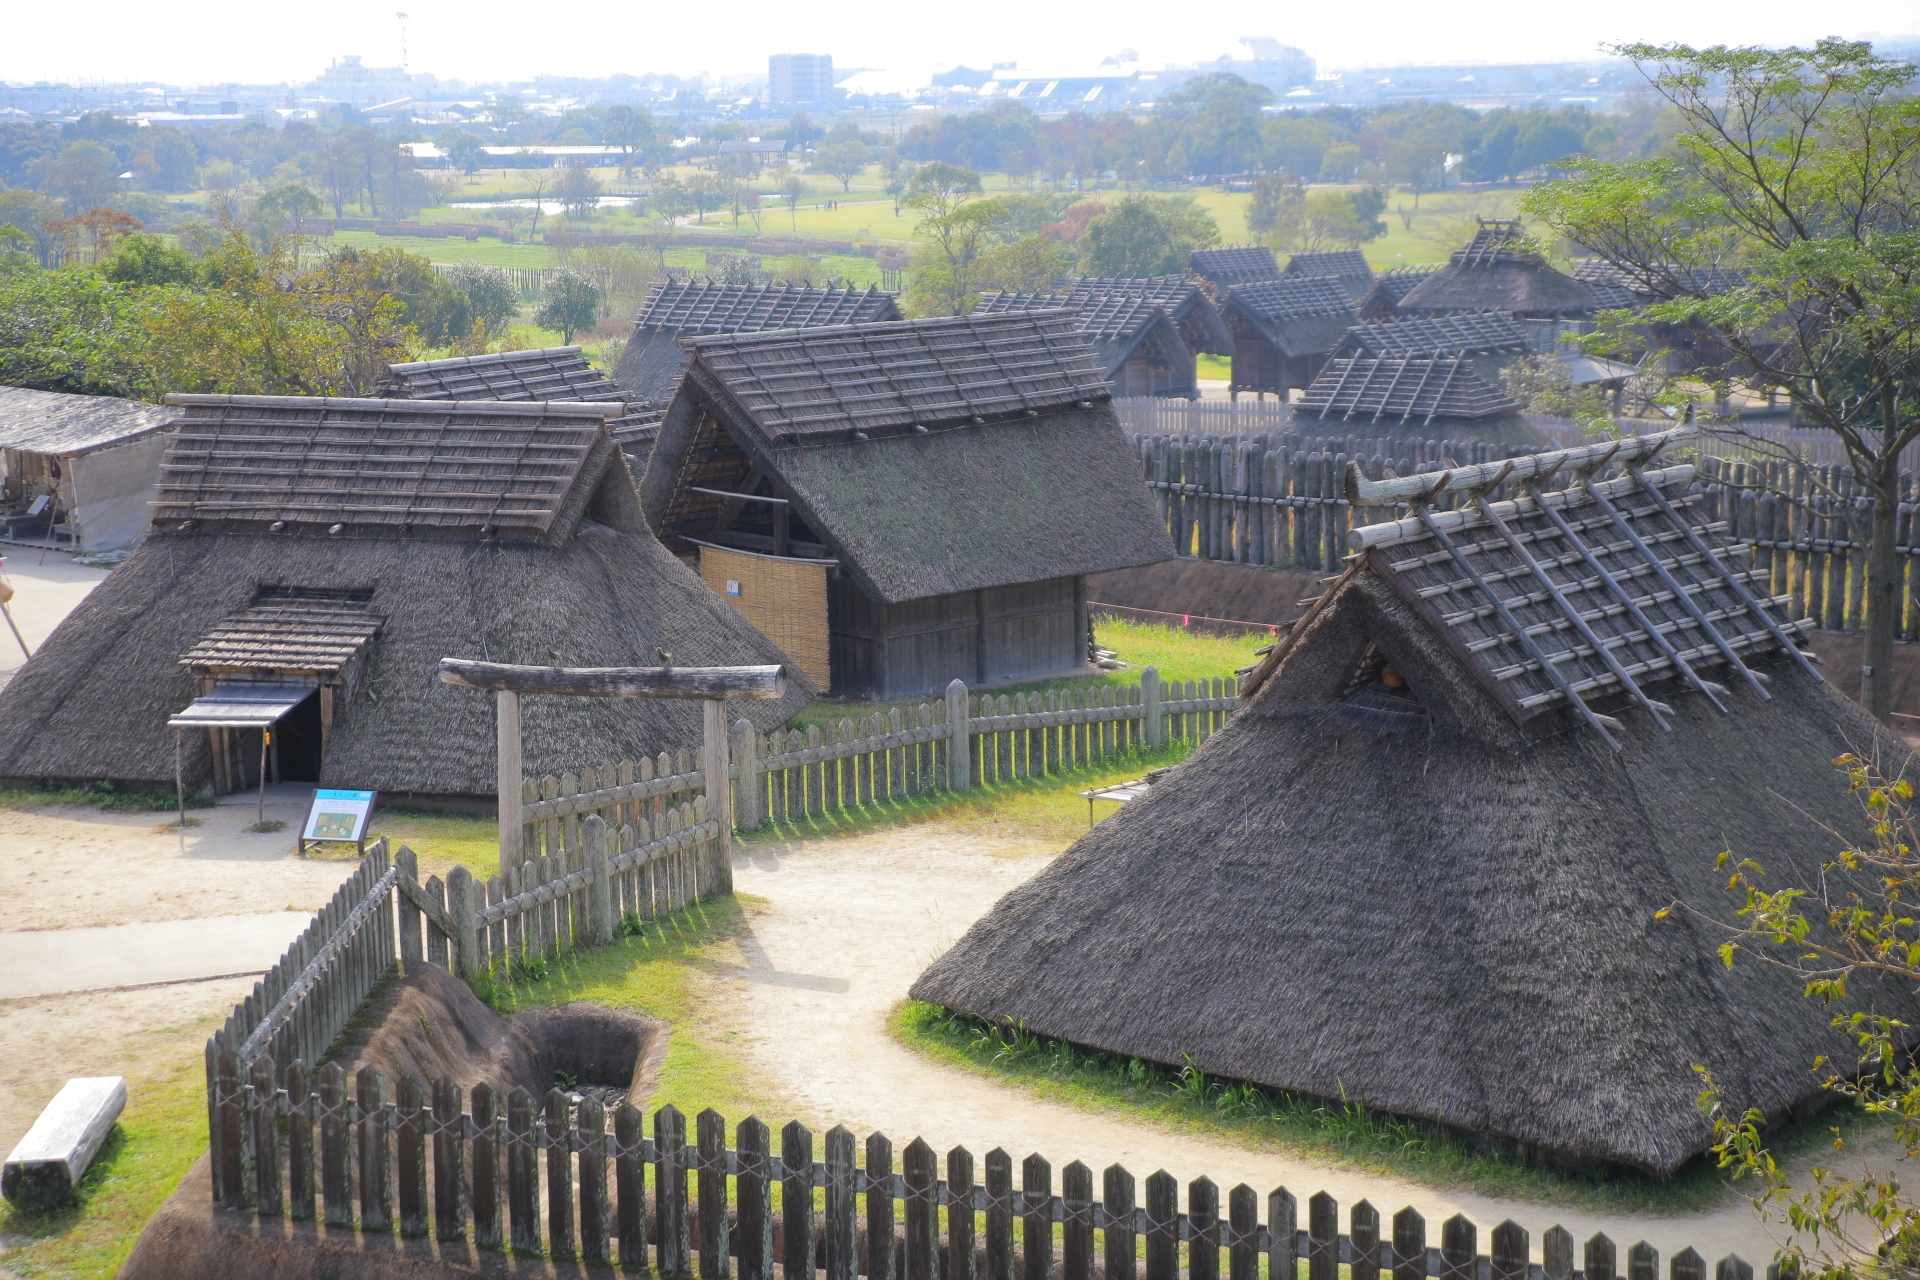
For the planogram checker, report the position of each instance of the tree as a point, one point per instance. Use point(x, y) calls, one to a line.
point(952, 230)
point(467, 155)
point(1275, 207)
point(1146, 236)
point(570, 303)
point(83, 175)
point(286, 209)
point(1801, 167)
point(705, 191)
point(148, 260)
point(792, 188)
point(628, 130)
point(494, 298)
point(579, 191)
point(1031, 264)
point(844, 161)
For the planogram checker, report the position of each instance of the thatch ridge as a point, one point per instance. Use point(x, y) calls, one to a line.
point(1499, 271)
point(59, 422)
point(1234, 266)
point(1430, 336)
point(1404, 900)
point(547, 373)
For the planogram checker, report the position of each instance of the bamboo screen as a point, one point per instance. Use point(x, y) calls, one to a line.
point(785, 599)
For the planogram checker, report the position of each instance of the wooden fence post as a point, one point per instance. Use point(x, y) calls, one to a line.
point(749, 791)
point(959, 752)
point(600, 892)
point(1150, 698)
point(460, 913)
point(715, 749)
point(507, 723)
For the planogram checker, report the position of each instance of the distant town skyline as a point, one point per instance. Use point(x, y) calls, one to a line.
point(230, 42)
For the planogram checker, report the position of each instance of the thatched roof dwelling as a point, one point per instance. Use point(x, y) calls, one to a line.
point(1382, 302)
point(1135, 340)
point(1411, 873)
point(1488, 333)
point(1226, 268)
point(678, 309)
point(1283, 331)
point(1435, 396)
point(1348, 266)
point(899, 505)
point(547, 373)
point(87, 462)
point(1192, 310)
point(1498, 271)
point(328, 554)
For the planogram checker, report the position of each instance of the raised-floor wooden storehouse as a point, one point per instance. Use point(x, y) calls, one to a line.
point(1283, 331)
point(1223, 269)
point(311, 562)
point(78, 471)
point(1136, 342)
point(1434, 397)
point(1499, 271)
point(1420, 869)
point(1192, 310)
point(901, 505)
point(676, 309)
point(1348, 266)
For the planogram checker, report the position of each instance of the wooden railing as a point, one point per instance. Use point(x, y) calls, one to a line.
point(422, 1162)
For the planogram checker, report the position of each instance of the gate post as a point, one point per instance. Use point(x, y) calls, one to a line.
point(714, 748)
point(507, 717)
point(959, 748)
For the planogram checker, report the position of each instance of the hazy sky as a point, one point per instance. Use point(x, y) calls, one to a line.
point(214, 40)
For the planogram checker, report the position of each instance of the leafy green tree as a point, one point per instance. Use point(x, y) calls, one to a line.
point(843, 161)
point(83, 175)
point(73, 331)
point(1146, 236)
point(494, 298)
point(149, 260)
point(579, 191)
point(953, 227)
point(569, 303)
point(173, 163)
point(1802, 168)
point(705, 191)
point(1031, 264)
point(14, 256)
point(1276, 205)
point(466, 154)
point(792, 188)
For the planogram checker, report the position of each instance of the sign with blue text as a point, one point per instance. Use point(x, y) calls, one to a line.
point(338, 816)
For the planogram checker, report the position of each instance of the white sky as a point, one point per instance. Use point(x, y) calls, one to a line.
point(209, 41)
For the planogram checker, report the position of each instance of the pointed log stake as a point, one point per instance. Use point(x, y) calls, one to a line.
point(619, 682)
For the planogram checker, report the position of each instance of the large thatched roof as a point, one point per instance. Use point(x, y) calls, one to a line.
point(1299, 315)
point(304, 534)
point(929, 456)
point(1499, 271)
point(678, 309)
point(548, 373)
point(1192, 310)
point(61, 423)
point(1119, 325)
point(1424, 893)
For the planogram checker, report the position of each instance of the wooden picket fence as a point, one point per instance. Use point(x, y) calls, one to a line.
point(886, 756)
point(422, 1164)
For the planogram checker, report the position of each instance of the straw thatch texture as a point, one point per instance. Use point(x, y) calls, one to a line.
point(1401, 899)
point(59, 423)
point(550, 373)
point(1404, 393)
point(1229, 267)
point(1125, 329)
point(1298, 316)
point(400, 463)
point(676, 309)
point(594, 589)
point(1389, 287)
point(1348, 266)
point(1498, 271)
point(1495, 332)
point(1192, 310)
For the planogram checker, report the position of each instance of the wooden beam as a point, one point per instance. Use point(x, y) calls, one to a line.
point(619, 682)
point(714, 751)
point(735, 501)
point(1378, 493)
point(507, 718)
point(47, 1164)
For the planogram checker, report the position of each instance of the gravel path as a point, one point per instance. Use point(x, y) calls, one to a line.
point(853, 921)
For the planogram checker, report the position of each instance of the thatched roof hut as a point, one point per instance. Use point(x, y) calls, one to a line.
point(78, 468)
point(1226, 268)
point(1135, 340)
point(900, 505)
point(1348, 266)
point(1382, 302)
point(676, 309)
point(1433, 396)
point(1498, 271)
point(1283, 331)
point(1192, 310)
point(330, 552)
point(1411, 874)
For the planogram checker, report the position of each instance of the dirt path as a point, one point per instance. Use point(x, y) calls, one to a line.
point(853, 921)
point(44, 594)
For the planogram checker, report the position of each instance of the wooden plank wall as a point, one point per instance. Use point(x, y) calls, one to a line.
point(477, 1172)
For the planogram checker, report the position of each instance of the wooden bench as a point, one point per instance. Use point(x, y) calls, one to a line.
point(47, 1164)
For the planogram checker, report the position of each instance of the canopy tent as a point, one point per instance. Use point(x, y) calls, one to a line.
point(93, 458)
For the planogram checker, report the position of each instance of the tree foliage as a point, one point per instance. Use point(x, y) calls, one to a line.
point(570, 303)
point(1146, 236)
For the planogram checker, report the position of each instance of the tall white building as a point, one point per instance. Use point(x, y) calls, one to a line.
point(800, 79)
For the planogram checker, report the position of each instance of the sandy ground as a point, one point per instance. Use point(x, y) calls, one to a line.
point(43, 594)
point(852, 922)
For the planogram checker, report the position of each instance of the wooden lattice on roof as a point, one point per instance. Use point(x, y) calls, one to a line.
point(1339, 263)
point(1397, 282)
point(1103, 316)
point(288, 631)
point(1580, 593)
point(1622, 289)
point(1359, 389)
point(1293, 297)
point(440, 464)
point(705, 306)
point(804, 383)
point(1169, 291)
point(1429, 336)
point(1228, 267)
point(1496, 240)
point(551, 373)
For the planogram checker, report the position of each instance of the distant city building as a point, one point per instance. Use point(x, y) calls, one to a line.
point(800, 79)
point(349, 80)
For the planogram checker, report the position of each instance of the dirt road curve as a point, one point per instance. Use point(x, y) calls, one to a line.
point(853, 921)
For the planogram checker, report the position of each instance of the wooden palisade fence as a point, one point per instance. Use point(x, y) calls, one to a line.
point(547, 1174)
point(964, 740)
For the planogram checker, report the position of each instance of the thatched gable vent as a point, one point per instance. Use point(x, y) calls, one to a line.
point(1396, 879)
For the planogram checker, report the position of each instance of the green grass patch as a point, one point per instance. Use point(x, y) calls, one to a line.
point(102, 795)
point(160, 1134)
point(651, 971)
point(1212, 368)
point(1343, 1134)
